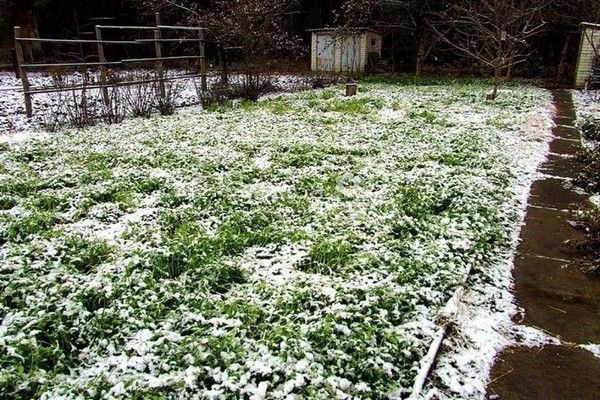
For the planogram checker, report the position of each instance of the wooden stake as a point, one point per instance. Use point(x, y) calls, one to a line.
point(351, 89)
point(22, 73)
point(159, 64)
point(103, 68)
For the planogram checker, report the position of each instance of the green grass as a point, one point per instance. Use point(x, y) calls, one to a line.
point(309, 234)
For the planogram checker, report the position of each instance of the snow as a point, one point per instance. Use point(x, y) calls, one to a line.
point(484, 323)
point(15, 126)
point(340, 237)
point(593, 348)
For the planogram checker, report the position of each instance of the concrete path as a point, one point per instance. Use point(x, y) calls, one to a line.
point(556, 296)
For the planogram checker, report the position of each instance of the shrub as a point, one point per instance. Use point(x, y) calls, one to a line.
point(588, 220)
point(589, 176)
point(215, 96)
point(590, 128)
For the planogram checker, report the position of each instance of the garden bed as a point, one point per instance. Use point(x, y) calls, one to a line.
point(300, 246)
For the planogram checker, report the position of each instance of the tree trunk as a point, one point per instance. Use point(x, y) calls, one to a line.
point(510, 71)
point(562, 65)
point(25, 18)
point(497, 82)
point(420, 57)
point(224, 71)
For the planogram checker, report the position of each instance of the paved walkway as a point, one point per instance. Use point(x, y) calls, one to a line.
point(556, 296)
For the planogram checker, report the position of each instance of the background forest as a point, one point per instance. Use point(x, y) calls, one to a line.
point(419, 36)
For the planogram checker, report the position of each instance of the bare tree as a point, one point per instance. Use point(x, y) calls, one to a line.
point(256, 29)
point(406, 17)
point(495, 33)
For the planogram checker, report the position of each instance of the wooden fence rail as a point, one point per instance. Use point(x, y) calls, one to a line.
point(104, 64)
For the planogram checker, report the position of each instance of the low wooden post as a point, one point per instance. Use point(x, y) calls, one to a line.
point(22, 73)
point(103, 67)
point(202, 62)
point(351, 89)
point(159, 62)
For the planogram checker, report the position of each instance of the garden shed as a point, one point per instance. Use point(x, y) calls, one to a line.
point(588, 70)
point(342, 50)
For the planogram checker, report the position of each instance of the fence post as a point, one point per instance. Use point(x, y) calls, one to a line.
point(202, 61)
point(22, 73)
point(159, 63)
point(103, 68)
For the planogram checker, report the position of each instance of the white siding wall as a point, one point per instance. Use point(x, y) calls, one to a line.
point(586, 54)
point(313, 52)
point(364, 51)
point(337, 55)
point(373, 48)
point(364, 43)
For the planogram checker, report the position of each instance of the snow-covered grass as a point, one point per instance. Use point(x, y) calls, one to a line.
point(587, 103)
point(298, 247)
point(47, 105)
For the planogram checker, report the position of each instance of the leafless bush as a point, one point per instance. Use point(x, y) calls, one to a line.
point(166, 104)
point(320, 80)
point(10, 126)
point(216, 94)
point(115, 106)
point(53, 120)
point(76, 105)
point(252, 86)
point(139, 98)
point(81, 108)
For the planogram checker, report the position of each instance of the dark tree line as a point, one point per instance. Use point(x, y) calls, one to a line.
point(526, 37)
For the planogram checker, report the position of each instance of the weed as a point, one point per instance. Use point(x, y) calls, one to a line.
point(33, 224)
point(50, 202)
point(351, 106)
point(589, 176)
point(85, 254)
point(590, 128)
point(327, 257)
point(7, 202)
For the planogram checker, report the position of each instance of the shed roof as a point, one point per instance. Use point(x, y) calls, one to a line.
point(342, 30)
point(589, 25)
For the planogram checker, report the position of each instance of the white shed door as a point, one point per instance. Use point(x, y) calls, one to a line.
point(350, 53)
point(325, 52)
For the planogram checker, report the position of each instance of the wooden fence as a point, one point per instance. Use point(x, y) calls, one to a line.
point(102, 63)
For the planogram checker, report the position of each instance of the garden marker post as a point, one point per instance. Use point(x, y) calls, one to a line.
point(103, 67)
point(351, 89)
point(159, 62)
point(202, 61)
point(22, 73)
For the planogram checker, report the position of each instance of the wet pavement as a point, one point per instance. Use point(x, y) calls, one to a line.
point(555, 294)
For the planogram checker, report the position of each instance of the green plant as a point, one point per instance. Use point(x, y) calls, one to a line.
point(588, 220)
point(85, 254)
point(7, 202)
point(590, 128)
point(33, 224)
point(589, 176)
point(327, 257)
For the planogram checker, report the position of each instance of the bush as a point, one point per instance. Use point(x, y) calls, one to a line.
point(252, 86)
point(590, 128)
point(589, 177)
point(588, 217)
point(588, 220)
point(216, 95)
